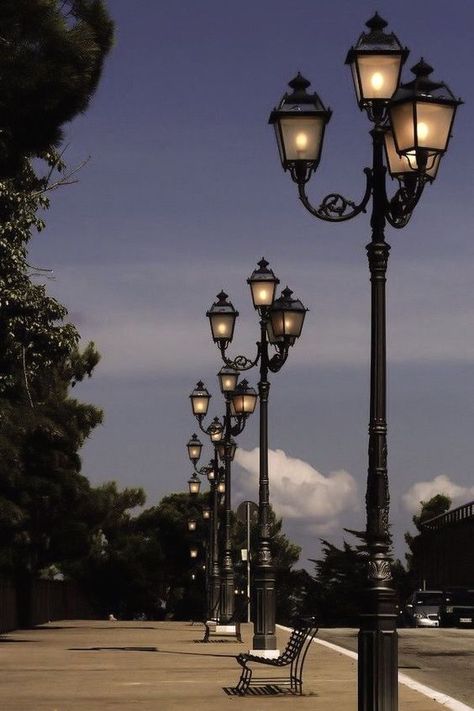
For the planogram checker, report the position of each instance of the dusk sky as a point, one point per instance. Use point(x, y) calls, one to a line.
point(184, 193)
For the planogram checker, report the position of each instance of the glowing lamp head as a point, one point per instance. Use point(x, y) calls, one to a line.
point(376, 61)
point(194, 485)
point(287, 317)
point(222, 316)
point(299, 122)
point(194, 447)
point(200, 400)
point(228, 378)
point(263, 284)
point(244, 399)
point(421, 115)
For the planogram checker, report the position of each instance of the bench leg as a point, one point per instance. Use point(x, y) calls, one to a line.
point(206, 634)
point(244, 681)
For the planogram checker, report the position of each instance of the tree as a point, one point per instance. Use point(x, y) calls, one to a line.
point(437, 505)
point(51, 54)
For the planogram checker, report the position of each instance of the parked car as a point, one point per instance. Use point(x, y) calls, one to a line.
point(423, 607)
point(457, 609)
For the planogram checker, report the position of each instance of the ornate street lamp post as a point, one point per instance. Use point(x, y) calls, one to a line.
point(281, 321)
point(412, 122)
point(221, 434)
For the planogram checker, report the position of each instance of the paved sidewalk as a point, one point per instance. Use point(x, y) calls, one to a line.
point(159, 666)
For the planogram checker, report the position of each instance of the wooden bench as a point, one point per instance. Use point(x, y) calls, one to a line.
point(293, 657)
point(216, 628)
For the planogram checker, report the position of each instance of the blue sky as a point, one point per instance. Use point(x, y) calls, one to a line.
point(184, 193)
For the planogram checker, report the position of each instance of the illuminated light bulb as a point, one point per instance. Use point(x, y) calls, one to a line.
point(228, 383)
point(199, 406)
point(377, 81)
point(422, 130)
point(222, 328)
point(263, 294)
point(301, 141)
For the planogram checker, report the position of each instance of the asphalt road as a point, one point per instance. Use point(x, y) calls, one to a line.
point(440, 658)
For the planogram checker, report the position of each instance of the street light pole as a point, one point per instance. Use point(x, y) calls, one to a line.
point(281, 322)
point(221, 434)
point(413, 121)
point(214, 573)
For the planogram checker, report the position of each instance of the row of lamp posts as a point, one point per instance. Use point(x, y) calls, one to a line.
point(411, 127)
point(281, 322)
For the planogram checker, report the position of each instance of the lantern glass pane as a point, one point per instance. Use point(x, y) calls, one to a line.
point(281, 149)
point(263, 292)
point(228, 381)
point(249, 402)
point(399, 165)
point(200, 403)
point(355, 79)
point(396, 164)
point(302, 136)
point(194, 486)
point(433, 123)
point(221, 487)
point(278, 324)
point(379, 75)
point(222, 326)
point(194, 451)
point(294, 323)
point(401, 116)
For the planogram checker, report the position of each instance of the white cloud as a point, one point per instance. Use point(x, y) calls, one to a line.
point(298, 490)
point(425, 490)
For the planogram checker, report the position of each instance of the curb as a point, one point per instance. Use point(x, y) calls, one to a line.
point(443, 699)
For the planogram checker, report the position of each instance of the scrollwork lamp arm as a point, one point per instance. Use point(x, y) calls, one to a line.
point(240, 362)
point(334, 207)
point(400, 208)
point(278, 360)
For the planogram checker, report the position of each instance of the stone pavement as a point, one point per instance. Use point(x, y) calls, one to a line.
point(158, 666)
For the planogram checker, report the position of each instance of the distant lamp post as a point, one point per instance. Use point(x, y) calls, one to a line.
point(221, 486)
point(192, 524)
point(206, 512)
point(411, 124)
point(286, 315)
point(221, 432)
point(193, 552)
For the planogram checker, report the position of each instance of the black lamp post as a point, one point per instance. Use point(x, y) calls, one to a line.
point(209, 513)
point(221, 434)
point(413, 122)
point(281, 321)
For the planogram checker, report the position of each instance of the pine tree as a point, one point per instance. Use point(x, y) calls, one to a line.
point(51, 57)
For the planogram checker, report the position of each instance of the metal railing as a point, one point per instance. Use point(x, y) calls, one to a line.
point(461, 513)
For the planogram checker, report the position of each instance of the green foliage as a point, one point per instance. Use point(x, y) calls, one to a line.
point(340, 582)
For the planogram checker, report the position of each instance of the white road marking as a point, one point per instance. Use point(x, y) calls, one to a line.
point(404, 679)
